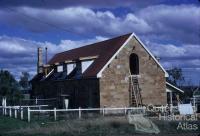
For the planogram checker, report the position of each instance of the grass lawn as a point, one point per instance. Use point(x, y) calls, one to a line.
point(107, 126)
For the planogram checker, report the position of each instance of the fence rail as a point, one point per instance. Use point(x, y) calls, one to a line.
point(23, 112)
point(80, 110)
point(16, 111)
point(27, 112)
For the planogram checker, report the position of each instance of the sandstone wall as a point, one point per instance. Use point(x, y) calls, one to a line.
point(114, 83)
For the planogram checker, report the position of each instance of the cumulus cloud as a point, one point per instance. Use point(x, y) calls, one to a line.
point(174, 51)
point(25, 58)
point(176, 25)
point(185, 56)
point(76, 19)
point(179, 22)
point(18, 55)
point(160, 22)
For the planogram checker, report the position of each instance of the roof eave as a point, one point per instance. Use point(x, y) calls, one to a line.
point(175, 87)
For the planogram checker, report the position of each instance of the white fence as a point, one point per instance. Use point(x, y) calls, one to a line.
point(25, 112)
point(18, 111)
point(28, 111)
point(103, 111)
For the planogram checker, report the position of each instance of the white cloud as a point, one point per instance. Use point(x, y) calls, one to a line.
point(178, 23)
point(14, 48)
point(18, 55)
point(184, 56)
point(160, 22)
point(167, 50)
point(77, 19)
point(174, 51)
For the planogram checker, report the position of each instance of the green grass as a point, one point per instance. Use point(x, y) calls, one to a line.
point(7, 124)
point(82, 127)
point(102, 126)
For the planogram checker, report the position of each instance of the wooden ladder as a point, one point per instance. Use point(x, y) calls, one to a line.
point(135, 95)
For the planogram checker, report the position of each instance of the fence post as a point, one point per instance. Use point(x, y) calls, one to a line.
point(36, 101)
point(125, 111)
point(55, 114)
point(10, 110)
point(15, 113)
point(171, 108)
point(5, 111)
point(162, 108)
point(103, 111)
point(143, 109)
point(29, 117)
point(21, 111)
point(79, 112)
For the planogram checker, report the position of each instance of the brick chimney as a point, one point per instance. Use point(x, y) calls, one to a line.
point(39, 61)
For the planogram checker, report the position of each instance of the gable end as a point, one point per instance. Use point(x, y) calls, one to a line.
point(125, 43)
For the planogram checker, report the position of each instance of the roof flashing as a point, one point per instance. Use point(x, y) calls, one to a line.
point(88, 57)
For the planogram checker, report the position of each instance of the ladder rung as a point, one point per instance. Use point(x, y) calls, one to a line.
point(135, 92)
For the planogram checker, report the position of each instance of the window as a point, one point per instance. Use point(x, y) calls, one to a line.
point(134, 64)
point(86, 64)
point(60, 68)
point(70, 68)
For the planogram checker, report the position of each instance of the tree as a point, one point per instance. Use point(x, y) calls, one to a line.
point(175, 76)
point(9, 87)
point(24, 80)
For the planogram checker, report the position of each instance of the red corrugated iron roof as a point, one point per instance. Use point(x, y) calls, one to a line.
point(104, 50)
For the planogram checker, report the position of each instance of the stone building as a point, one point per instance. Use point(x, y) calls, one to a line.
point(116, 72)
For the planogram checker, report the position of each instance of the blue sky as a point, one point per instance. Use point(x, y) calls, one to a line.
point(169, 28)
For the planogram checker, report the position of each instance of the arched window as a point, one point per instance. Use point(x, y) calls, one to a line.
point(134, 64)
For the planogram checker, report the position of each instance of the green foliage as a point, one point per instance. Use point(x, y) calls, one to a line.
point(9, 87)
point(24, 80)
point(7, 83)
point(175, 76)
